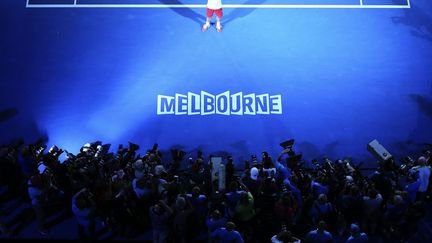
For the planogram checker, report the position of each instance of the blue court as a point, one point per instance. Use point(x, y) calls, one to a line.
point(345, 75)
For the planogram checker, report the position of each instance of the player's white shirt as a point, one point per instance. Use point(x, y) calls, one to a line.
point(214, 4)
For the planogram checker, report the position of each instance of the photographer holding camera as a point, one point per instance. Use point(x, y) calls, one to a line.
point(160, 215)
point(37, 190)
point(83, 207)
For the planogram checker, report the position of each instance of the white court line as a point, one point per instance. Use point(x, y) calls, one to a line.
point(361, 2)
point(275, 6)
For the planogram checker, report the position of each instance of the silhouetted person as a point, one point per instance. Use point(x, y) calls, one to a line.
point(226, 234)
point(319, 235)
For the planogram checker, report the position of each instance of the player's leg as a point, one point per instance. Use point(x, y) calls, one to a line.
point(209, 14)
point(219, 15)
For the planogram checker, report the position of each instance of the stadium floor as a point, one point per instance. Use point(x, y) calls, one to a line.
point(346, 76)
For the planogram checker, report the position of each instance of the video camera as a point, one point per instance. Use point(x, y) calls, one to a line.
point(345, 166)
point(287, 144)
point(38, 147)
point(323, 169)
point(133, 147)
point(154, 148)
point(406, 164)
point(293, 159)
point(55, 151)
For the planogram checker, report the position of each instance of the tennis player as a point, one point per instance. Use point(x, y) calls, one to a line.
point(213, 7)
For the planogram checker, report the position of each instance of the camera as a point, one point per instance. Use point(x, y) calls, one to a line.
point(87, 149)
point(70, 155)
point(406, 164)
point(316, 163)
point(287, 144)
point(40, 150)
point(155, 147)
point(133, 147)
point(55, 151)
point(293, 159)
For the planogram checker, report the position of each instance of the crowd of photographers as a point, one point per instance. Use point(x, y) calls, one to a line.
point(271, 200)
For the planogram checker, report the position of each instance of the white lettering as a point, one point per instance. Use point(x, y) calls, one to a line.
point(224, 103)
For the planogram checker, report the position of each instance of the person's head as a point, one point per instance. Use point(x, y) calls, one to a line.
point(355, 230)
point(180, 203)
point(349, 180)
point(254, 173)
point(152, 156)
point(284, 236)
point(216, 214)
point(422, 161)
point(322, 226)
point(267, 162)
point(138, 165)
point(196, 191)
point(160, 170)
point(157, 208)
point(397, 200)
point(322, 199)
point(404, 195)
point(230, 226)
point(373, 193)
point(81, 203)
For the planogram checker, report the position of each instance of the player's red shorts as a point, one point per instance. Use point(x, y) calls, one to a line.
point(218, 12)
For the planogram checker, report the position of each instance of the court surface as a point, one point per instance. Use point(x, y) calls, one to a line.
point(347, 71)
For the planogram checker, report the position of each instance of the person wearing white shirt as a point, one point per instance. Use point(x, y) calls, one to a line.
point(213, 7)
point(424, 172)
point(284, 236)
